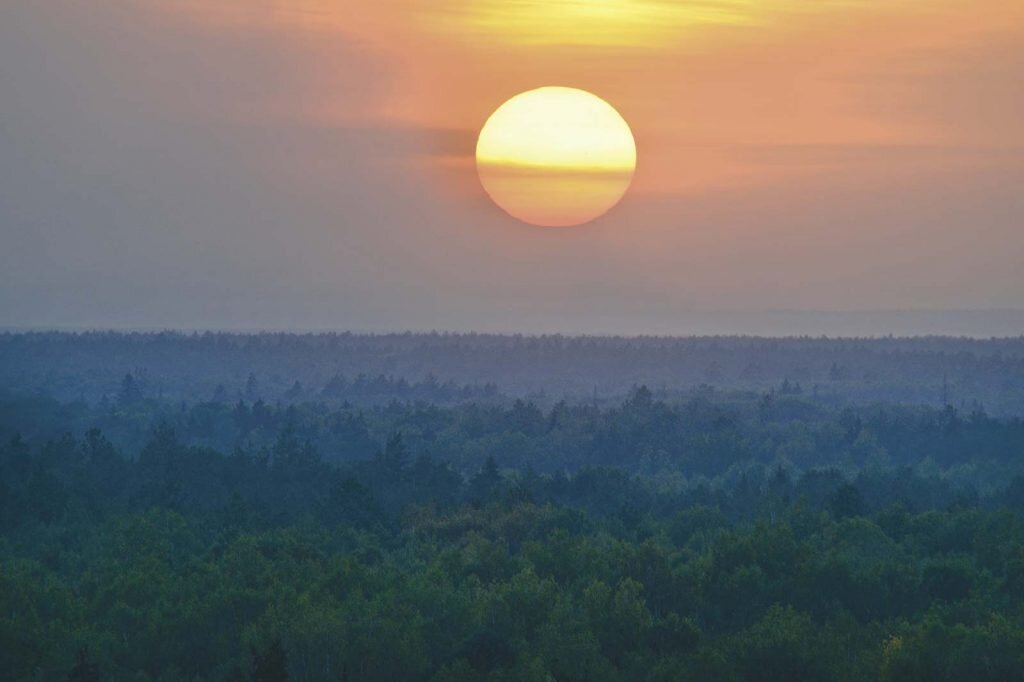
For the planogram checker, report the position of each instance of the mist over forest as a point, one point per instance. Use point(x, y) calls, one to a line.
point(487, 507)
point(370, 368)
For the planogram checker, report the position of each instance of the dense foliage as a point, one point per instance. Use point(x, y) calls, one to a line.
point(182, 562)
point(701, 533)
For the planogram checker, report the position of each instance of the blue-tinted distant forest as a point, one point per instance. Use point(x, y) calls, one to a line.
point(466, 507)
point(968, 373)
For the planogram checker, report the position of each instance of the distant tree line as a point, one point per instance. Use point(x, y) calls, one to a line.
point(707, 434)
point(446, 368)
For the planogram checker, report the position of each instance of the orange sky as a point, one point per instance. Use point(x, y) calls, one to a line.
point(318, 155)
point(702, 83)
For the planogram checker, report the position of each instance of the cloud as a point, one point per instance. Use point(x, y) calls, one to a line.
point(645, 24)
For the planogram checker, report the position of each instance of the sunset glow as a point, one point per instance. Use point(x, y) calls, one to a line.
point(782, 149)
point(649, 23)
point(556, 156)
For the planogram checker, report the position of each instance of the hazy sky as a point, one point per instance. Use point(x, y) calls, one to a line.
point(309, 164)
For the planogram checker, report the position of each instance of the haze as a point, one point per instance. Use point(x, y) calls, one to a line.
point(259, 164)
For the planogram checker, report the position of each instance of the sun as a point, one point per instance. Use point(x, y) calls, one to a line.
point(556, 156)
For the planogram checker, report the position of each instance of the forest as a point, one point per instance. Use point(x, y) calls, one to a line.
point(447, 367)
point(431, 507)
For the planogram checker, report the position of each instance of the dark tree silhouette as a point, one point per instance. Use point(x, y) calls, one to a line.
point(85, 670)
point(271, 664)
